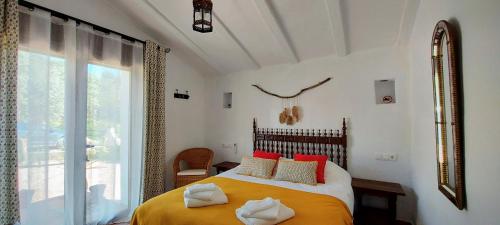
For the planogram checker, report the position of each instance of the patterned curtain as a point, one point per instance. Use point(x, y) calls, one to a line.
point(9, 33)
point(154, 121)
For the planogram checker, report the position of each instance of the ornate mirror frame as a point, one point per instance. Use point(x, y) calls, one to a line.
point(447, 111)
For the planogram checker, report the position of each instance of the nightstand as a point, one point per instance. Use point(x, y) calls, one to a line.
point(225, 166)
point(364, 215)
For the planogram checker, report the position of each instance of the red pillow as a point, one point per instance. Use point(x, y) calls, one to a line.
point(320, 170)
point(266, 155)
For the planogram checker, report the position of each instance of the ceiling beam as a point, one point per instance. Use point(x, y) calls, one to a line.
point(406, 22)
point(337, 25)
point(270, 19)
point(185, 38)
point(228, 32)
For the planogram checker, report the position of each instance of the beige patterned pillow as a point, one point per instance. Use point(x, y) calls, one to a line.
point(297, 171)
point(276, 167)
point(256, 167)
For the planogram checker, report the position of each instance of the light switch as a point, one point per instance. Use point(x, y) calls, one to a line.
point(387, 156)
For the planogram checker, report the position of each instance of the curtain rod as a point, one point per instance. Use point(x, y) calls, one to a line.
point(63, 16)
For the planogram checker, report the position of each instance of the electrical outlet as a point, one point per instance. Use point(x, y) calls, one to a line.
point(231, 147)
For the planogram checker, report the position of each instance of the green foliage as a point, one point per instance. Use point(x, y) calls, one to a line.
point(41, 102)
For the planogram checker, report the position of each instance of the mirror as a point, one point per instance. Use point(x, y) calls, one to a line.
point(447, 112)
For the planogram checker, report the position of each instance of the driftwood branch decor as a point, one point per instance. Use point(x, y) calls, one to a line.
point(291, 115)
point(295, 95)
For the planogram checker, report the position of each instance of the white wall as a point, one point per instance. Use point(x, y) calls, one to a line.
point(478, 21)
point(371, 128)
point(185, 119)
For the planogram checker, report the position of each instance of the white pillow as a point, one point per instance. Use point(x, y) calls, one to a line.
point(335, 173)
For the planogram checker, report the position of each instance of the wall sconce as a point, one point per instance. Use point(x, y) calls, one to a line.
point(181, 96)
point(385, 91)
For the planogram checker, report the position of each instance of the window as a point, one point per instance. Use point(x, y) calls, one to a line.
point(79, 123)
point(41, 135)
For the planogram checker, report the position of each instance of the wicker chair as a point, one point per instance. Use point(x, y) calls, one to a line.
point(199, 161)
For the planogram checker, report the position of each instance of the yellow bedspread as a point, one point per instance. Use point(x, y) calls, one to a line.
point(310, 208)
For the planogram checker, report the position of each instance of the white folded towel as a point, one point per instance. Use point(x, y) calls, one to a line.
point(218, 198)
point(260, 217)
point(253, 206)
point(267, 214)
point(201, 187)
point(203, 195)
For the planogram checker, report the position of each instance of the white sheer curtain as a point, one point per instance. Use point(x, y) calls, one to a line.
point(80, 122)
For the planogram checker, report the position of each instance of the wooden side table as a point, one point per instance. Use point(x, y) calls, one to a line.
point(225, 166)
point(387, 190)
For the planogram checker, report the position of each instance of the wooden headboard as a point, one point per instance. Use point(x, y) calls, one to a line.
point(287, 142)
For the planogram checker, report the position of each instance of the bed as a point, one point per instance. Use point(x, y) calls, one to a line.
point(329, 203)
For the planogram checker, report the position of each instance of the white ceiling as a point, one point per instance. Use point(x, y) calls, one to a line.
point(250, 34)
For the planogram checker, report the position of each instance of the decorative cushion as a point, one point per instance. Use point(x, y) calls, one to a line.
point(192, 172)
point(321, 159)
point(297, 171)
point(266, 155)
point(256, 167)
point(277, 162)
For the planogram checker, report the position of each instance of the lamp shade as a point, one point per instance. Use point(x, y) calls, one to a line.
point(202, 16)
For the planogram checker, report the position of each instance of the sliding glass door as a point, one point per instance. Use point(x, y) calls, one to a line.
point(107, 161)
point(41, 130)
point(79, 123)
